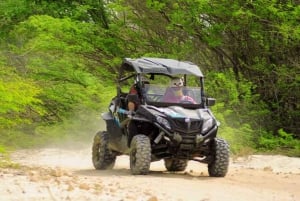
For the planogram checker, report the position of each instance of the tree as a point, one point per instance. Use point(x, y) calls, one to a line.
point(18, 99)
point(259, 40)
point(61, 67)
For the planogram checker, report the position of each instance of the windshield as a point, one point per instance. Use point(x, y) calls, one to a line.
point(172, 94)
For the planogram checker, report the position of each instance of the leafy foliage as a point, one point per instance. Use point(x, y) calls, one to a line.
point(240, 119)
point(284, 143)
point(59, 67)
point(18, 98)
point(259, 40)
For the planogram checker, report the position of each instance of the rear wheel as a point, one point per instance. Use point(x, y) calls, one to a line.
point(102, 157)
point(218, 166)
point(140, 155)
point(175, 164)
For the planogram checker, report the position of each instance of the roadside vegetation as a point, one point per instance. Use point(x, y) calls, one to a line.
point(59, 61)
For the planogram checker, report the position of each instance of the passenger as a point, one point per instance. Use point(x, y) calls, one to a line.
point(134, 98)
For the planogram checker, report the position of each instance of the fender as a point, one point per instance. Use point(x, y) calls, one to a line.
point(107, 116)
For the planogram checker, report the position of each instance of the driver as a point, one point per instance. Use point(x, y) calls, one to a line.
point(174, 93)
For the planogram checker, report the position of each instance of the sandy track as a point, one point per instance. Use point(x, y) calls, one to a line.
point(59, 174)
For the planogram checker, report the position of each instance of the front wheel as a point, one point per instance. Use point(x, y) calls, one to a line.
point(218, 166)
point(102, 157)
point(140, 155)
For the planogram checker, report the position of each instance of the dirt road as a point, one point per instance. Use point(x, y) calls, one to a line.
point(60, 174)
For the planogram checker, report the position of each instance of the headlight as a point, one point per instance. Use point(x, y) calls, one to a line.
point(208, 120)
point(163, 122)
point(207, 124)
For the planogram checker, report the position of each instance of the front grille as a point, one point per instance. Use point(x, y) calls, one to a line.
point(187, 127)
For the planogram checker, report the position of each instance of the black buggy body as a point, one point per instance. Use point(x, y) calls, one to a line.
point(159, 129)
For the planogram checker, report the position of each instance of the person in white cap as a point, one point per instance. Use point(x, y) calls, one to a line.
point(174, 93)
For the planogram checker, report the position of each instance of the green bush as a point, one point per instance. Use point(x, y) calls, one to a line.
point(282, 143)
point(237, 109)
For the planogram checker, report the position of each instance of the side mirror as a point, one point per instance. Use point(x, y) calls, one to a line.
point(210, 101)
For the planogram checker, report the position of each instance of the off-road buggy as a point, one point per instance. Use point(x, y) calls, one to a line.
point(174, 132)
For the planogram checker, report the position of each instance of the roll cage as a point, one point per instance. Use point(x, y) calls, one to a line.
point(152, 67)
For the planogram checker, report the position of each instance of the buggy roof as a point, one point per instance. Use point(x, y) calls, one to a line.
point(161, 66)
